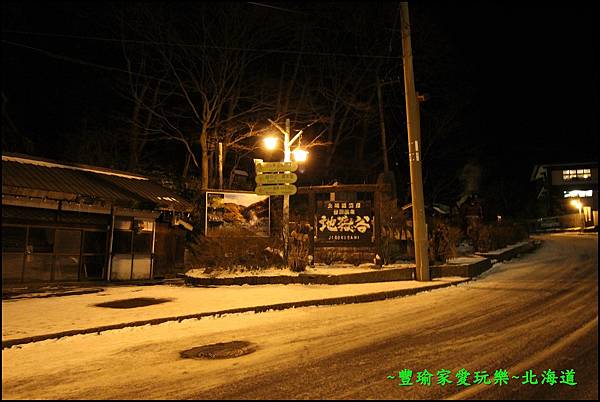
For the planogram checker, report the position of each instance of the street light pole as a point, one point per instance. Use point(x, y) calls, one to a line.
point(414, 139)
point(300, 156)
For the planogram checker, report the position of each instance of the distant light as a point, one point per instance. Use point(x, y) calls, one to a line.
point(576, 203)
point(271, 142)
point(300, 155)
point(577, 193)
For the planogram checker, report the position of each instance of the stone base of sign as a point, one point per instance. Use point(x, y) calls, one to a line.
point(349, 255)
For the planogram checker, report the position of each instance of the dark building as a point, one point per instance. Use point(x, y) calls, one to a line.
point(67, 222)
point(561, 186)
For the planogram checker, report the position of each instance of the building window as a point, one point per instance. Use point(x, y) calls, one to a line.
point(577, 174)
point(13, 239)
point(577, 193)
point(93, 257)
point(41, 240)
point(122, 242)
point(45, 254)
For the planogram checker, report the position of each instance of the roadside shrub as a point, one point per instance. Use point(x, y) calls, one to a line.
point(442, 242)
point(395, 234)
point(499, 235)
point(299, 246)
point(482, 240)
point(226, 253)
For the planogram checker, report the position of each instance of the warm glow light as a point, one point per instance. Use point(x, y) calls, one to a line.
point(300, 155)
point(271, 142)
point(576, 203)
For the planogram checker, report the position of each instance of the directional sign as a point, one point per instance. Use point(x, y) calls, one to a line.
point(276, 178)
point(265, 167)
point(276, 189)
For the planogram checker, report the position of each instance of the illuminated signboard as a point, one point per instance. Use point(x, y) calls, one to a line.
point(237, 214)
point(344, 222)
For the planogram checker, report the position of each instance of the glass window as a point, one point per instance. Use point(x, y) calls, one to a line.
point(12, 267)
point(38, 267)
point(94, 242)
point(92, 267)
point(573, 174)
point(142, 243)
point(41, 240)
point(122, 242)
point(143, 226)
point(123, 223)
point(179, 248)
point(13, 238)
point(66, 268)
point(67, 242)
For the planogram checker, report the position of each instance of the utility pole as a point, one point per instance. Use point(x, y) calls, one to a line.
point(286, 198)
point(414, 146)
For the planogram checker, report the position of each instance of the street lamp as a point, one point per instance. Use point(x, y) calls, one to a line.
point(300, 156)
point(577, 204)
point(271, 142)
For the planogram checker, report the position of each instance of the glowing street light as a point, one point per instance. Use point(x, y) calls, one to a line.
point(271, 142)
point(300, 155)
point(577, 204)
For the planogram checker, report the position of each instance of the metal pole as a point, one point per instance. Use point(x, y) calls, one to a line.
point(414, 139)
point(111, 237)
point(384, 150)
point(286, 197)
point(220, 165)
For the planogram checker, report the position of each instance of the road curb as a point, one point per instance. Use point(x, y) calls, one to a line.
point(387, 275)
point(469, 270)
point(363, 298)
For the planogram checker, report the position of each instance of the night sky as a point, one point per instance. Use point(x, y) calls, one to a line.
point(526, 76)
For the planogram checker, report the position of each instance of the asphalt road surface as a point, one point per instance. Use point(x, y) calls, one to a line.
point(529, 315)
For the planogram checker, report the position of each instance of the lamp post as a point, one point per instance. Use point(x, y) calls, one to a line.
point(300, 156)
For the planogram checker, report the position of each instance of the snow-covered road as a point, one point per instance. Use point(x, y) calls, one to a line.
point(537, 312)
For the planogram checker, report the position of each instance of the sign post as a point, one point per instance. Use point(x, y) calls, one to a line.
point(276, 178)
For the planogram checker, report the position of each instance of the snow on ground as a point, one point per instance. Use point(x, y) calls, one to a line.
point(509, 247)
point(37, 316)
point(521, 311)
point(466, 260)
point(318, 269)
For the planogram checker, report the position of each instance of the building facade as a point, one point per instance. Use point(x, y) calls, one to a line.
point(562, 188)
point(65, 222)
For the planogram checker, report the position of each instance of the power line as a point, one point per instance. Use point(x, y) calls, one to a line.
point(277, 8)
point(143, 42)
point(80, 61)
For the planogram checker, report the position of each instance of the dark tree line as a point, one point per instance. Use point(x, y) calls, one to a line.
point(194, 75)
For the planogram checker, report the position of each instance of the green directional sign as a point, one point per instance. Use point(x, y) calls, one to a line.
point(273, 167)
point(276, 178)
point(276, 189)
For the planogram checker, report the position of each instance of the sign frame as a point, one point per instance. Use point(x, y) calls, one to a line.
point(239, 193)
point(276, 178)
point(275, 167)
point(272, 189)
point(364, 239)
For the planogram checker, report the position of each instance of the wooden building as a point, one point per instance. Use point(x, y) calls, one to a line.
point(69, 222)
